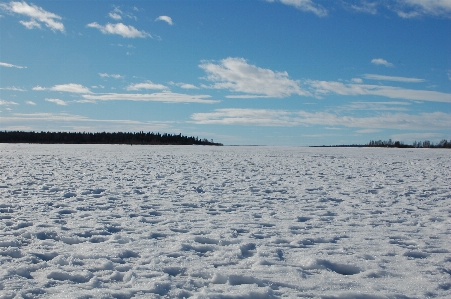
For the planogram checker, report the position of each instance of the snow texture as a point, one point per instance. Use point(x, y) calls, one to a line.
point(117, 221)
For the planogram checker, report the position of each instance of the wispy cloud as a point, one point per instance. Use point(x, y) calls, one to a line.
point(248, 117)
point(399, 121)
point(30, 103)
point(415, 8)
point(393, 78)
point(30, 24)
point(403, 8)
point(71, 87)
point(57, 101)
point(13, 88)
point(246, 96)
point(39, 88)
point(165, 19)
point(7, 103)
point(12, 65)
point(364, 6)
point(367, 131)
point(115, 16)
point(236, 75)
point(165, 97)
point(120, 29)
point(115, 76)
point(380, 61)
point(37, 15)
point(418, 136)
point(146, 85)
point(72, 122)
point(187, 86)
point(266, 117)
point(305, 5)
point(184, 85)
point(326, 87)
point(376, 106)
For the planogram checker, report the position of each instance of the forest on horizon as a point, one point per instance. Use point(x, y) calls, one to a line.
point(102, 138)
point(150, 138)
point(416, 144)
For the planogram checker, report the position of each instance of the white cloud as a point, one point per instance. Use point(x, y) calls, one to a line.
point(376, 106)
point(165, 19)
point(266, 117)
point(188, 86)
point(393, 78)
point(57, 101)
point(367, 131)
point(115, 76)
point(357, 80)
point(304, 5)
point(30, 103)
point(408, 15)
point(7, 103)
point(184, 85)
point(248, 117)
point(245, 96)
point(39, 88)
point(414, 8)
point(71, 87)
point(45, 116)
point(410, 137)
point(120, 29)
point(146, 85)
point(12, 65)
point(117, 10)
point(165, 97)
point(235, 74)
point(115, 16)
point(37, 15)
point(380, 61)
point(71, 122)
point(400, 121)
point(364, 6)
point(12, 88)
point(30, 24)
point(404, 8)
point(327, 87)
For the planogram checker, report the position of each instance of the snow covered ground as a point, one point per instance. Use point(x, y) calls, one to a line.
point(117, 221)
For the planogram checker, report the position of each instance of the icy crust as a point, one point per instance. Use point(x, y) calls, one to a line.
point(232, 222)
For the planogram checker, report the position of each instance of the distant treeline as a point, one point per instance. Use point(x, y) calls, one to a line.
point(416, 144)
point(101, 138)
point(340, 145)
point(398, 144)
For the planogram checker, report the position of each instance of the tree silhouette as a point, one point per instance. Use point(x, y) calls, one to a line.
point(101, 138)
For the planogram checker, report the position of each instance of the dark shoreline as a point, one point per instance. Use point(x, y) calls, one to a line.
point(139, 138)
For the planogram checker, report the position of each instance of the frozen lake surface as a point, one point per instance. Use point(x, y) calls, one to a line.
point(117, 221)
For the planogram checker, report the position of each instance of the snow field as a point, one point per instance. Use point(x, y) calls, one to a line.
point(117, 221)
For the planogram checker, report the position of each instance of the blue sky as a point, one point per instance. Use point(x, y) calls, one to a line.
point(276, 72)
